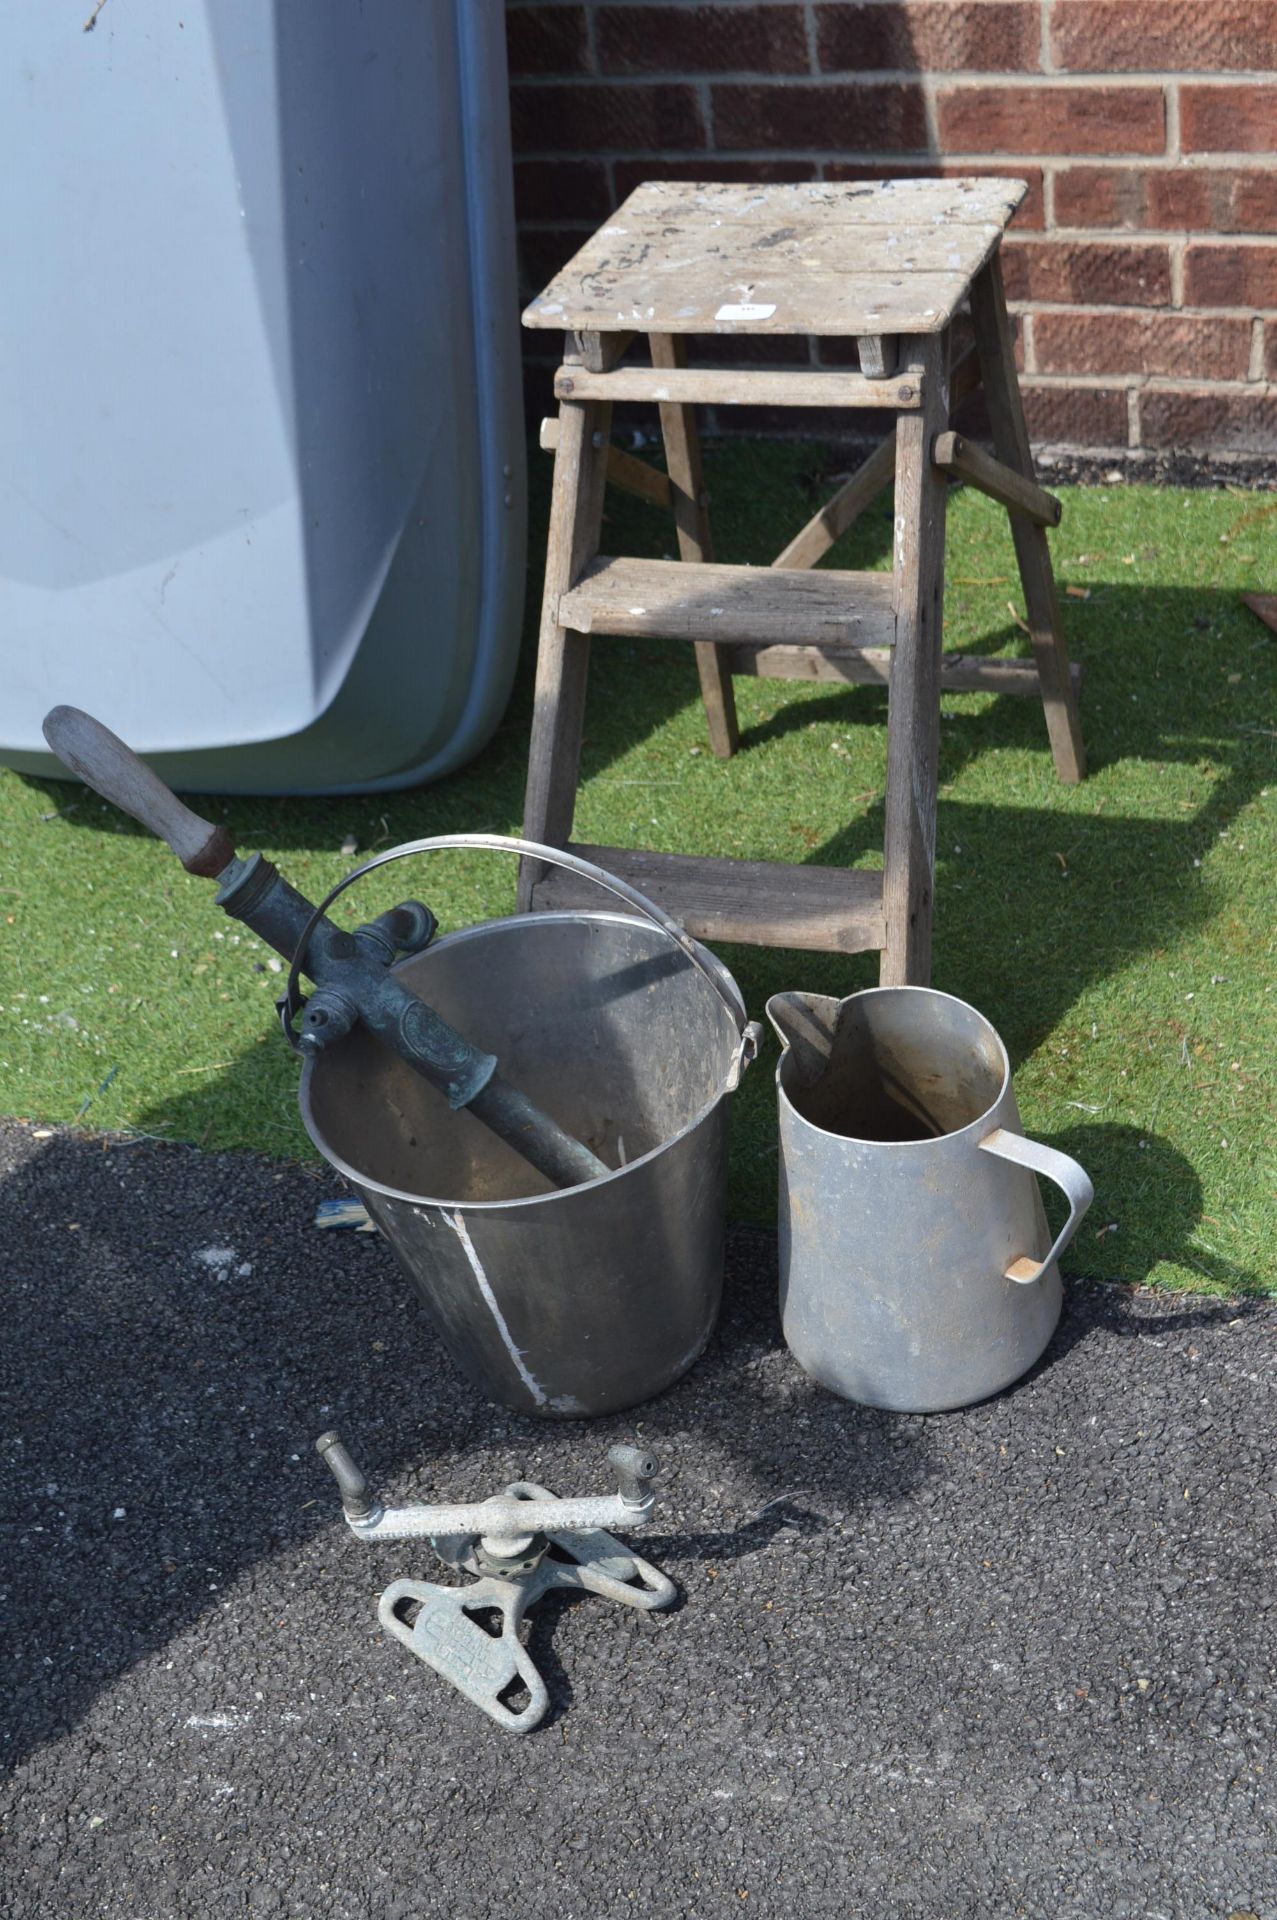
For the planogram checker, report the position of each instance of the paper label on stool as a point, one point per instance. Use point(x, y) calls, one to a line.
point(745, 311)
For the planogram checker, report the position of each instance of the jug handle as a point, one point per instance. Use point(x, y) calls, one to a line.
point(1067, 1175)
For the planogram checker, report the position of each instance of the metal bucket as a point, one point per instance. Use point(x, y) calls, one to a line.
point(632, 1036)
point(917, 1271)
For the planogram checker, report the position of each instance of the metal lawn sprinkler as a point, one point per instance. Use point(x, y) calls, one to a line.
point(518, 1545)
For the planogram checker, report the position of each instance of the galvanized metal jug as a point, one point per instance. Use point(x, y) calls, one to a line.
point(917, 1272)
point(632, 1036)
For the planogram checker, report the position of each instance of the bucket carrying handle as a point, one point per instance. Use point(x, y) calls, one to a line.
point(750, 1031)
point(1067, 1175)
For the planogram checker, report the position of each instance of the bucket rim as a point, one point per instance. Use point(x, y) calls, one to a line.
point(729, 995)
point(977, 1127)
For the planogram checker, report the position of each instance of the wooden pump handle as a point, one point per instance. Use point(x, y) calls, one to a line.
point(104, 763)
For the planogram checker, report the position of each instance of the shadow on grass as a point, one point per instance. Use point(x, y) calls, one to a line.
point(1037, 904)
point(1135, 1159)
point(1039, 898)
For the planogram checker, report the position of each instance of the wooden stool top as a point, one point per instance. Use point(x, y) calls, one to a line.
point(821, 257)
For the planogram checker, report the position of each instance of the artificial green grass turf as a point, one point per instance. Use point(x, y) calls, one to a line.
point(1119, 935)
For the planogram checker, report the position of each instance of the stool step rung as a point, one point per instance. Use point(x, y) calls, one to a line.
point(740, 387)
point(764, 903)
point(871, 666)
point(692, 600)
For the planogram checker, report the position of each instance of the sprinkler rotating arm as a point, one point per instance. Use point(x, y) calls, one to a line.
point(502, 1518)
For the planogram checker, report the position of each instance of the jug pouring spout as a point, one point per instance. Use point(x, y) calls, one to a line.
point(805, 1025)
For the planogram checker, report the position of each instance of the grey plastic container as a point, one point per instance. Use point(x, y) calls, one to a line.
point(262, 480)
point(633, 1037)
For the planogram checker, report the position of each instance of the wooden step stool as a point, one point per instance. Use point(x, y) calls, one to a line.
point(889, 264)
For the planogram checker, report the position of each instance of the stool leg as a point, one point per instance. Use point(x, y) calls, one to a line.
point(913, 702)
point(683, 460)
point(996, 349)
point(563, 657)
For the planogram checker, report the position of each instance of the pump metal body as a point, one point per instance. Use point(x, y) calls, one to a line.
point(354, 982)
point(352, 971)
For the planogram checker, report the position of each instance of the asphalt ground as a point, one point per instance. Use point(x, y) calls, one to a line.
point(1016, 1660)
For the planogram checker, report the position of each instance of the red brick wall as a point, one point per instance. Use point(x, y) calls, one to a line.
point(1143, 266)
